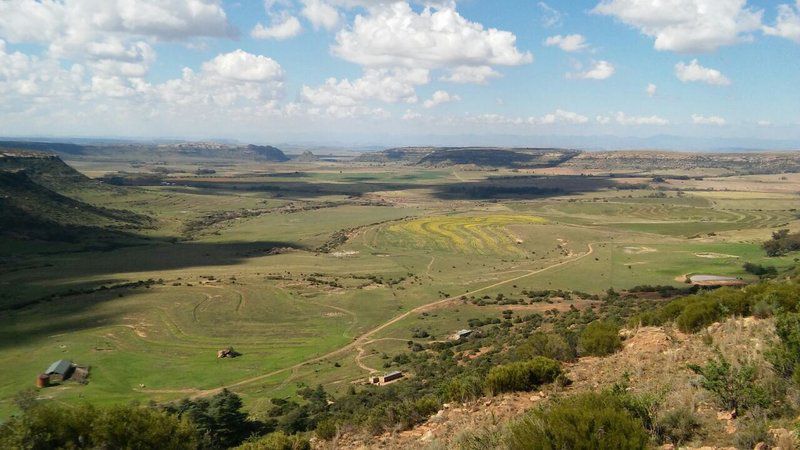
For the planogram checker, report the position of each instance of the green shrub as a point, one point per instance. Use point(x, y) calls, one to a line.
point(761, 271)
point(696, 316)
point(523, 375)
point(677, 426)
point(583, 422)
point(785, 356)
point(782, 242)
point(694, 312)
point(642, 407)
point(751, 430)
point(462, 389)
point(84, 426)
point(600, 339)
point(762, 310)
point(734, 388)
point(549, 345)
point(479, 439)
point(277, 441)
point(327, 429)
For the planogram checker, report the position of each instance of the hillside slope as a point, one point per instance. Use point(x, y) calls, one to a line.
point(33, 204)
point(653, 359)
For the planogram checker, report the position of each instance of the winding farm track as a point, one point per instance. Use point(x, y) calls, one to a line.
point(364, 339)
point(362, 353)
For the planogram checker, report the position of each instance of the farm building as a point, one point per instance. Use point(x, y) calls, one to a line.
point(60, 370)
point(63, 370)
point(391, 376)
point(461, 334)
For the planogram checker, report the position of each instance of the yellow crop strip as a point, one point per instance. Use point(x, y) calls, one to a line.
point(469, 234)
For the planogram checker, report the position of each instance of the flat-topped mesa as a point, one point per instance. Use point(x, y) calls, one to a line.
point(46, 169)
point(516, 157)
point(20, 153)
point(739, 163)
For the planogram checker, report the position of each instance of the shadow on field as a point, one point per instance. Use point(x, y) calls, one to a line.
point(49, 318)
point(150, 259)
point(522, 187)
point(302, 188)
point(498, 188)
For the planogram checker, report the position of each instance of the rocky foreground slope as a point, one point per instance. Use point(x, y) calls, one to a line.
point(653, 360)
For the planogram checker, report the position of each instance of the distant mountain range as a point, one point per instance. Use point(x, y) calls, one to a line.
point(357, 144)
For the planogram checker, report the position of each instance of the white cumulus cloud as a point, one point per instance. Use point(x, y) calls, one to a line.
point(686, 26)
point(321, 14)
point(651, 90)
point(385, 85)
point(694, 72)
point(788, 23)
point(394, 35)
point(287, 27)
point(568, 43)
point(237, 78)
point(559, 116)
point(440, 97)
point(242, 66)
point(697, 119)
point(624, 119)
point(470, 74)
point(600, 70)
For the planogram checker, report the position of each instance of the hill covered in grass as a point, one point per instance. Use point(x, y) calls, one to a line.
point(35, 203)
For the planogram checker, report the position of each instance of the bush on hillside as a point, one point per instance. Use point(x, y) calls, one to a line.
point(523, 375)
point(48, 425)
point(277, 441)
point(782, 242)
point(583, 422)
point(695, 312)
point(462, 389)
point(734, 387)
point(549, 345)
point(677, 426)
point(785, 355)
point(600, 339)
point(761, 271)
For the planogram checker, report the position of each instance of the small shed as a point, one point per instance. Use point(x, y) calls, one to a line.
point(60, 370)
point(391, 376)
point(461, 334)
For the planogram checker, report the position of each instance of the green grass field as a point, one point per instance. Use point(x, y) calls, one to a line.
point(257, 279)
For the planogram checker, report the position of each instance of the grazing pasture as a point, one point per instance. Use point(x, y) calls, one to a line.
point(318, 273)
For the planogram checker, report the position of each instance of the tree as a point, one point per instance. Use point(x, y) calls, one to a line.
point(220, 418)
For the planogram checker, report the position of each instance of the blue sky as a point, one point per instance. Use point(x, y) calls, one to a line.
point(354, 71)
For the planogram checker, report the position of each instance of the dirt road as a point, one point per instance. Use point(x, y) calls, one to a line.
point(360, 341)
